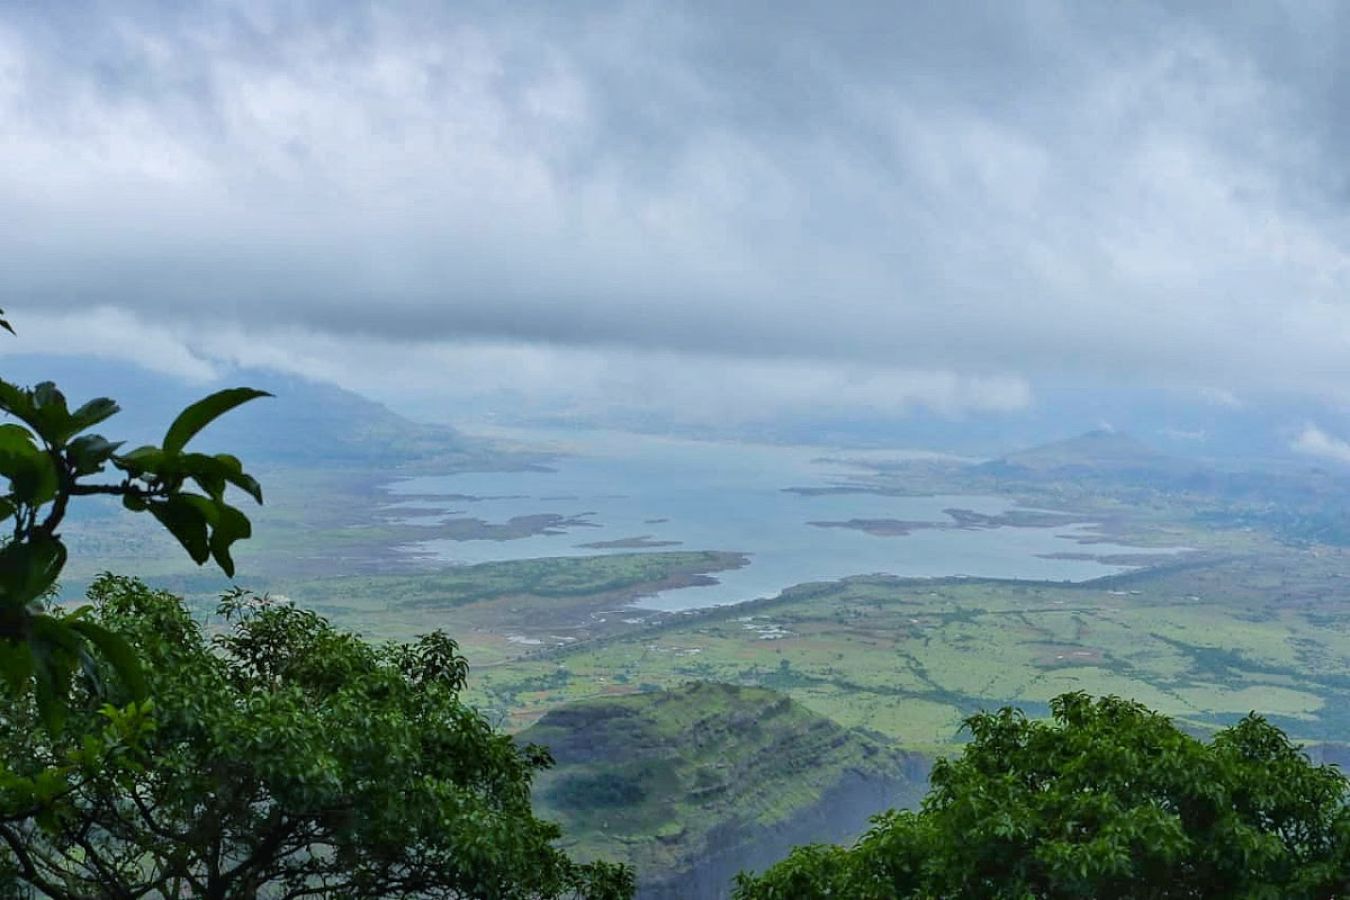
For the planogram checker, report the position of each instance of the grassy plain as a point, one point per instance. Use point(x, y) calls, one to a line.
point(502, 610)
point(1205, 641)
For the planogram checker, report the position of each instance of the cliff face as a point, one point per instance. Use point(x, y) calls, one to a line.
point(693, 785)
point(840, 815)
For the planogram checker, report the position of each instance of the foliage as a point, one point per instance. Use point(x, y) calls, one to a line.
point(1106, 800)
point(288, 759)
point(46, 458)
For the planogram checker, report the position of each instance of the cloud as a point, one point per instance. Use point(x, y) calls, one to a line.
point(109, 333)
point(893, 204)
point(1313, 441)
point(521, 381)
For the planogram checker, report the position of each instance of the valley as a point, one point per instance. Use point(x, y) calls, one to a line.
point(1119, 585)
point(1204, 641)
point(683, 592)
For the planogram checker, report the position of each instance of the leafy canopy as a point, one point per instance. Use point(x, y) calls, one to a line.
point(1105, 800)
point(288, 759)
point(47, 456)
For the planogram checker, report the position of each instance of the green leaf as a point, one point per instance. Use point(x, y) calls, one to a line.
point(116, 651)
point(50, 703)
point(15, 401)
point(47, 397)
point(186, 522)
point(16, 663)
point(56, 651)
point(91, 414)
point(56, 634)
point(208, 471)
point(213, 473)
point(30, 470)
point(231, 526)
point(51, 417)
point(207, 508)
point(88, 454)
point(143, 461)
point(205, 411)
point(28, 569)
point(235, 475)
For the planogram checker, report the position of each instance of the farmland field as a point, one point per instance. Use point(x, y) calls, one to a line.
point(1205, 642)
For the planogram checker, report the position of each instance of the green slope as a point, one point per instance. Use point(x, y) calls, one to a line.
point(691, 785)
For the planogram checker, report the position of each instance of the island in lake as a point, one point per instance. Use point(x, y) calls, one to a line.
point(641, 542)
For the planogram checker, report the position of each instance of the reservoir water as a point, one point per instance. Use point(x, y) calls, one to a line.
point(723, 496)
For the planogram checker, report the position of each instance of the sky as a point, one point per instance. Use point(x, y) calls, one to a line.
point(696, 211)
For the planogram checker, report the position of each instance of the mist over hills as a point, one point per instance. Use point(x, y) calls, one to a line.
point(311, 420)
point(1182, 424)
point(304, 422)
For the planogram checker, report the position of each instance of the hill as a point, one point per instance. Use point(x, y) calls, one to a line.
point(693, 784)
point(1099, 452)
point(305, 423)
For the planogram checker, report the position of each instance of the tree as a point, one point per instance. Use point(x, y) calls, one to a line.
point(288, 759)
point(1107, 799)
point(46, 459)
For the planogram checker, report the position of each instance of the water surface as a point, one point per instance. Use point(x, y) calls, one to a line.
point(723, 496)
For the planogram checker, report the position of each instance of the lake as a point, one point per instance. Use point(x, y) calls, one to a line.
point(723, 496)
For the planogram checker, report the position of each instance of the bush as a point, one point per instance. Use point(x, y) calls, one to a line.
point(1107, 799)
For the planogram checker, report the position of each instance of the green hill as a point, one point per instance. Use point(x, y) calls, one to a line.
point(691, 785)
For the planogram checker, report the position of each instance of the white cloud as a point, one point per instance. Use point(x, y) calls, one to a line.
point(1313, 441)
point(108, 333)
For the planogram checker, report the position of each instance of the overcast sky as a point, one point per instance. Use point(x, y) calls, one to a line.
point(718, 209)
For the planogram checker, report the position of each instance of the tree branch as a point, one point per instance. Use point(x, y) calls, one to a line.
point(263, 852)
point(28, 870)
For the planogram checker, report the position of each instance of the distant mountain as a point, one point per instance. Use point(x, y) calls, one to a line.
point(692, 785)
point(1098, 451)
point(1297, 501)
point(1189, 423)
point(308, 421)
point(305, 423)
